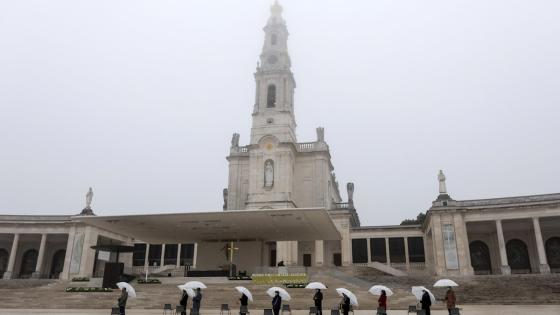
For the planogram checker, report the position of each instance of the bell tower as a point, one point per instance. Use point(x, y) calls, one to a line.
point(273, 113)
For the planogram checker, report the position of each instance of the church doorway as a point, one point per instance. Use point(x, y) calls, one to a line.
point(553, 253)
point(518, 256)
point(57, 263)
point(480, 258)
point(3, 261)
point(307, 260)
point(28, 263)
point(272, 262)
point(337, 259)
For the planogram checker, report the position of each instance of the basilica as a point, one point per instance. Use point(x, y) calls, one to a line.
point(283, 207)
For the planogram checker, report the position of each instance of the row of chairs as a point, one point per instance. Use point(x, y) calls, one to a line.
point(225, 310)
point(413, 309)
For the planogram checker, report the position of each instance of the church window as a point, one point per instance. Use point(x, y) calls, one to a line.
point(271, 96)
point(273, 39)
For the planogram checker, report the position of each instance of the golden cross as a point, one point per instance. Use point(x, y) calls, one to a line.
point(231, 250)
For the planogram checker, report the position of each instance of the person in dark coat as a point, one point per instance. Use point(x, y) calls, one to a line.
point(196, 302)
point(183, 302)
point(382, 302)
point(244, 300)
point(276, 303)
point(318, 299)
point(345, 304)
point(426, 302)
point(122, 301)
point(450, 299)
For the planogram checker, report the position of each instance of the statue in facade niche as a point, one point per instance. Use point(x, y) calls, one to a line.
point(235, 140)
point(89, 197)
point(269, 173)
point(350, 189)
point(320, 134)
point(442, 185)
point(225, 198)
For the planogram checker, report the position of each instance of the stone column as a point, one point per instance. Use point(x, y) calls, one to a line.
point(387, 251)
point(147, 259)
point(65, 275)
point(368, 250)
point(439, 250)
point(319, 253)
point(12, 260)
point(406, 256)
point(162, 258)
point(195, 255)
point(543, 263)
point(178, 255)
point(462, 240)
point(506, 270)
point(41, 257)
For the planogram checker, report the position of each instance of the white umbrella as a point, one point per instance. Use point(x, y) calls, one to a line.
point(283, 293)
point(419, 291)
point(316, 285)
point(445, 283)
point(129, 289)
point(376, 290)
point(350, 295)
point(190, 292)
point(195, 285)
point(243, 290)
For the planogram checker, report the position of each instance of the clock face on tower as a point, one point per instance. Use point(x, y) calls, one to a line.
point(272, 59)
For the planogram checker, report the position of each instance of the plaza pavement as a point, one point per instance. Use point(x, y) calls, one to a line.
point(465, 310)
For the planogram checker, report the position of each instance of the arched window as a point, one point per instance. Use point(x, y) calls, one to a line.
point(518, 256)
point(57, 263)
point(3, 260)
point(480, 257)
point(273, 39)
point(553, 252)
point(271, 96)
point(28, 263)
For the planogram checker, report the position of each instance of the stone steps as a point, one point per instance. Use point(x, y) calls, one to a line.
point(530, 289)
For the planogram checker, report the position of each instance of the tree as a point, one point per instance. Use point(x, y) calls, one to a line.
point(420, 218)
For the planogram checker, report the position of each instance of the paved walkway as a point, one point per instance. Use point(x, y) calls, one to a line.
point(466, 310)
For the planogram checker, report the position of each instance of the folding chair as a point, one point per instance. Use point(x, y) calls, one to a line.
point(179, 309)
point(225, 309)
point(115, 311)
point(286, 308)
point(411, 309)
point(312, 310)
point(455, 311)
point(267, 311)
point(335, 311)
point(167, 308)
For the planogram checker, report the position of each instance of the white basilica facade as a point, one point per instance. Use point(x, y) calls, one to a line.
point(283, 205)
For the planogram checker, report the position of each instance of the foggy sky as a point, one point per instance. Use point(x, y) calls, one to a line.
point(139, 99)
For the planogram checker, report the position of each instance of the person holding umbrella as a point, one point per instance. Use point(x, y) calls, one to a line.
point(382, 301)
point(345, 304)
point(183, 302)
point(426, 302)
point(318, 299)
point(244, 300)
point(122, 301)
point(276, 303)
point(451, 299)
point(196, 302)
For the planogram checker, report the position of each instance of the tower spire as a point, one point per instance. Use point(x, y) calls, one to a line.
point(273, 113)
